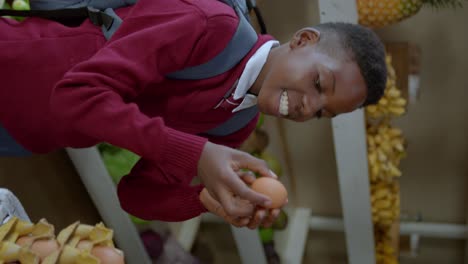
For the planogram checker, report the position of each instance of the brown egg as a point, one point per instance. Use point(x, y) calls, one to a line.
point(44, 247)
point(271, 188)
point(21, 241)
point(108, 255)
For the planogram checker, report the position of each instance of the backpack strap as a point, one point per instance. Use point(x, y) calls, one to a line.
point(235, 123)
point(240, 44)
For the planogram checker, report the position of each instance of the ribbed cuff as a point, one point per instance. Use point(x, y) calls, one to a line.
point(181, 154)
point(196, 205)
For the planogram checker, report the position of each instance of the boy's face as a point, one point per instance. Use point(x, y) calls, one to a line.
point(309, 83)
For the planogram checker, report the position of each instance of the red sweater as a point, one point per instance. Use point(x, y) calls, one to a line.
point(68, 87)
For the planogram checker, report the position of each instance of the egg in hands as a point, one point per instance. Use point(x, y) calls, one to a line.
point(272, 188)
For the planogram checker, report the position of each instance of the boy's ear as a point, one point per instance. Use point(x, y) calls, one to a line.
point(305, 36)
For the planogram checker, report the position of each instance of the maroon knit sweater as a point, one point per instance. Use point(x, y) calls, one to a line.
point(69, 87)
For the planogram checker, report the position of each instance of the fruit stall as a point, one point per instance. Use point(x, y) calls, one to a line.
point(361, 198)
point(360, 207)
point(367, 154)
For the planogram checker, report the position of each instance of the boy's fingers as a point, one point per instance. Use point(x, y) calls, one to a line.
point(234, 206)
point(257, 219)
point(247, 176)
point(239, 188)
point(273, 214)
point(238, 222)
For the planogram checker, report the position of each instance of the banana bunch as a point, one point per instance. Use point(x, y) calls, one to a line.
point(29, 243)
point(392, 104)
point(385, 253)
point(385, 149)
point(385, 201)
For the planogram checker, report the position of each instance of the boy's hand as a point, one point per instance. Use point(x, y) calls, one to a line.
point(218, 169)
point(261, 217)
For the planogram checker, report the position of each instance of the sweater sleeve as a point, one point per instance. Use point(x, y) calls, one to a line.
point(158, 198)
point(93, 101)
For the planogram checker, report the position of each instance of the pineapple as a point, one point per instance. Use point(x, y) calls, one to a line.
point(379, 13)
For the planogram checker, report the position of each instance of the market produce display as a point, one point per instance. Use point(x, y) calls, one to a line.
point(28, 243)
point(385, 149)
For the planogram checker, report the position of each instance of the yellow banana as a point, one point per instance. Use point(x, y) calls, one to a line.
point(382, 204)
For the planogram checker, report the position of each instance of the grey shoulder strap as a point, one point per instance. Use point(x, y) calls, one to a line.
point(236, 122)
point(240, 44)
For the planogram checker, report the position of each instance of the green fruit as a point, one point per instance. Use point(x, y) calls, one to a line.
point(281, 222)
point(266, 234)
point(137, 220)
point(20, 5)
point(106, 147)
point(119, 162)
point(260, 121)
point(272, 163)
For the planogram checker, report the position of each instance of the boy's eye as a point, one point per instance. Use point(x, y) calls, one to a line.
point(317, 85)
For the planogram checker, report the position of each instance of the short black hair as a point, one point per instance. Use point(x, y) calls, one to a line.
point(365, 48)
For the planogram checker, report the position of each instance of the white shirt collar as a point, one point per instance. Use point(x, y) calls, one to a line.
point(250, 74)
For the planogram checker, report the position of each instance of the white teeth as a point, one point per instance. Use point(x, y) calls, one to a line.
point(283, 107)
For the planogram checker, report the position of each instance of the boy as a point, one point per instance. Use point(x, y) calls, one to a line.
point(69, 87)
